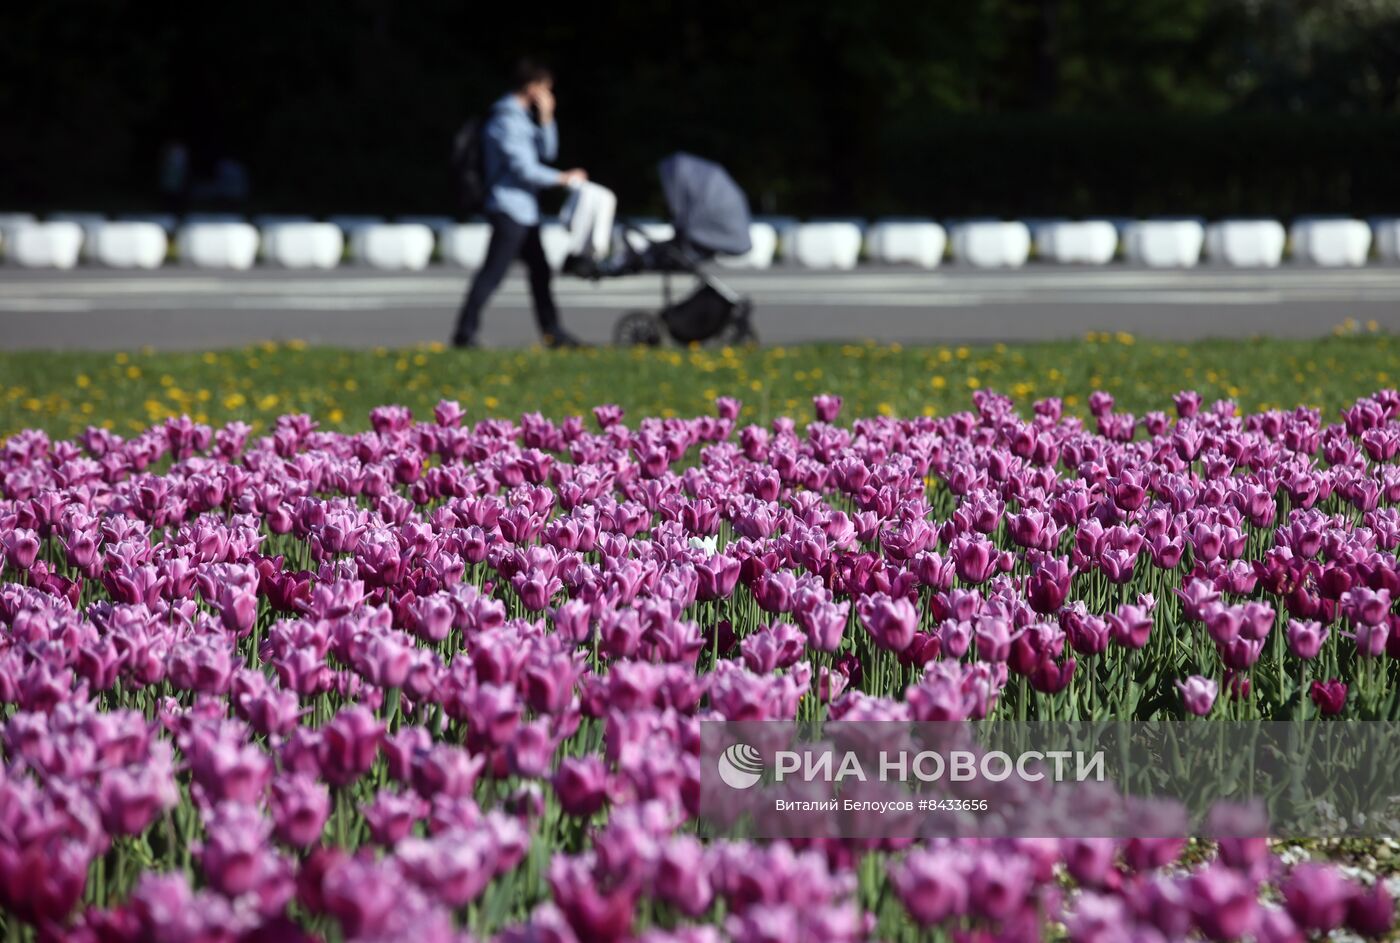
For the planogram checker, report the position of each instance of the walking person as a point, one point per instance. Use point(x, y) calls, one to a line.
point(518, 140)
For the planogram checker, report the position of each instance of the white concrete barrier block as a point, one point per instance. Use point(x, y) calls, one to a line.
point(1164, 243)
point(44, 245)
point(128, 244)
point(1077, 242)
point(992, 244)
point(1387, 235)
point(393, 246)
point(89, 223)
point(1246, 243)
point(9, 222)
point(351, 224)
point(197, 218)
point(82, 219)
point(920, 242)
point(219, 245)
point(833, 245)
point(1036, 224)
point(555, 239)
point(1331, 242)
point(783, 228)
point(465, 244)
point(303, 245)
point(166, 221)
point(264, 220)
point(764, 244)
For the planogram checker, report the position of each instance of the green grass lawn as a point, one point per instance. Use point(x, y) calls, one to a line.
point(65, 392)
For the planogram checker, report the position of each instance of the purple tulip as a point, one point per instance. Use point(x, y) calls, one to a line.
point(1317, 896)
point(931, 886)
point(682, 876)
point(1224, 903)
point(349, 744)
point(975, 558)
point(595, 911)
point(1371, 912)
point(300, 807)
point(131, 799)
point(824, 623)
point(826, 407)
point(891, 622)
point(392, 815)
point(1306, 638)
point(1329, 696)
point(21, 548)
point(1198, 694)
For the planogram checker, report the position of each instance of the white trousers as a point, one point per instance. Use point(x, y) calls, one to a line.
point(589, 213)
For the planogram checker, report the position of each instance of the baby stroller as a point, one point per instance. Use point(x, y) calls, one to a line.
point(710, 215)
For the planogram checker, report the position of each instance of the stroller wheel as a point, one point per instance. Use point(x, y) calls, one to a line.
point(637, 329)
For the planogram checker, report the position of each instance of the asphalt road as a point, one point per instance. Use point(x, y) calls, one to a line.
point(182, 308)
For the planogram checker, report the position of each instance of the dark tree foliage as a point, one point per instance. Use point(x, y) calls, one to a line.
point(944, 107)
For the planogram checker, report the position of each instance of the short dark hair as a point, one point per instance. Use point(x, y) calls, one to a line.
point(529, 71)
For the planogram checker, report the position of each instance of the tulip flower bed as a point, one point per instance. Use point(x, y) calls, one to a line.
point(442, 679)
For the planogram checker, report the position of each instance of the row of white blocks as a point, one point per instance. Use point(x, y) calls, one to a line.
point(214, 241)
point(1166, 243)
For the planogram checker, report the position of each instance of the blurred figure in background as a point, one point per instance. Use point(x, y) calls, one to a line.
point(174, 175)
point(518, 140)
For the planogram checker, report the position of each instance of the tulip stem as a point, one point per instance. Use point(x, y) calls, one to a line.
point(391, 709)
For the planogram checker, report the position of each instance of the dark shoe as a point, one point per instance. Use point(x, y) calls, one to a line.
point(561, 340)
point(581, 266)
point(465, 343)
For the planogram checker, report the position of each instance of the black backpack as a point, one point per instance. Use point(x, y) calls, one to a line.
point(467, 165)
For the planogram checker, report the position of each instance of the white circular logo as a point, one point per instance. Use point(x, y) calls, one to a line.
point(740, 766)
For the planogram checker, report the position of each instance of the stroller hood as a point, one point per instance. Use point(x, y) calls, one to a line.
point(707, 206)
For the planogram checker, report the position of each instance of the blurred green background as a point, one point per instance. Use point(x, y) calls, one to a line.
point(943, 107)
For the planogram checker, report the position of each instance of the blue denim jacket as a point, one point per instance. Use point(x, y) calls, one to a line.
point(515, 151)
